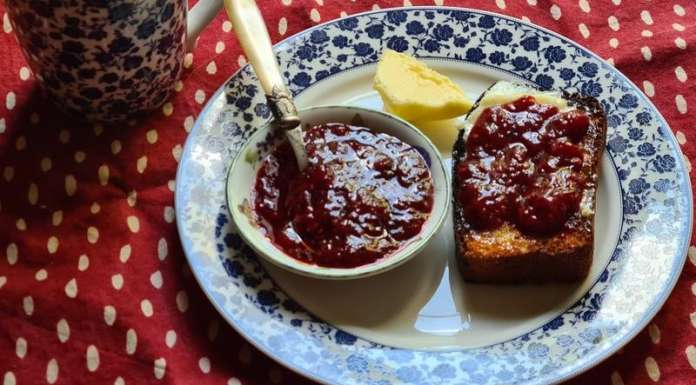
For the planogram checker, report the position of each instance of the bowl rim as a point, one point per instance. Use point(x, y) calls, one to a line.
point(405, 253)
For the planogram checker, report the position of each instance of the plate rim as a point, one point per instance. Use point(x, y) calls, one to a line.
point(601, 356)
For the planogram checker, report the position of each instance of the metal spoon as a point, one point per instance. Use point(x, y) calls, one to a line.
point(251, 31)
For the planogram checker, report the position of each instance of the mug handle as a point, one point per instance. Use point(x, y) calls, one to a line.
point(199, 16)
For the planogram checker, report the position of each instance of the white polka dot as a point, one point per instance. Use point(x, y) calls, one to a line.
point(678, 27)
point(282, 26)
point(151, 136)
point(679, 10)
point(584, 6)
point(226, 26)
point(681, 74)
point(12, 253)
point(680, 43)
point(647, 54)
point(21, 224)
point(219, 47)
point(204, 365)
point(141, 164)
point(63, 330)
point(131, 341)
point(162, 249)
point(646, 33)
point(132, 198)
point(160, 367)
point(613, 42)
point(188, 123)
point(691, 355)
point(115, 147)
point(41, 275)
point(188, 60)
point(98, 129)
point(94, 208)
point(117, 281)
point(9, 378)
point(178, 86)
point(133, 223)
point(10, 100)
point(692, 249)
point(211, 68)
point(79, 156)
point(52, 371)
point(92, 234)
point(616, 378)
point(286, 2)
point(182, 301)
point(681, 139)
point(3, 125)
point(176, 152)
point(321, 2)
point(21, 347)
point(34, 118)
point(652, 369)
point(170, 338)
point(613, 23)
point(146, 308)
point(500, 4)
point(654, 333)
point(103, 174)
point(376, 7)
point(71, 288)
point(199, 96)
point(70, 185)
point(83, 262)
point(213, 329)
point(109, 315)
point(92, 358)
point(343, 14)
point(234, 381)
point(241, 60)
point(681, 103)
point(33, 194)
point(46, 164)
point(28, 305)
point(21, 143)
point(314, 15)
point(3, 281)
point(646, 17)
point(167, 109)
point(24, 73)
point(610, 60)
point(687, 162)
point(275, 376)
point(8, 173)
point(57, 218)
point(171, 185)
point(64, 136)
point(125, 253)
point(52, 245)
point(693, 288)
point(525, 19)
point(169, 214)
point(156, 279)
point(119, 381)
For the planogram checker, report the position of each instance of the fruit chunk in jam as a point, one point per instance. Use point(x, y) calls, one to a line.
point(523, 166)
point(362, 196)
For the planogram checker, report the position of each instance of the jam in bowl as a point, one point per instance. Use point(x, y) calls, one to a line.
point(373, 194)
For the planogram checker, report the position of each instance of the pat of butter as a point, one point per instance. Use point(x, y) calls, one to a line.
point(505, 92)
point(414, 92)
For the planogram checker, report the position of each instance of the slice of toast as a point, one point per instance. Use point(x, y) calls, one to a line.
point(507, 255)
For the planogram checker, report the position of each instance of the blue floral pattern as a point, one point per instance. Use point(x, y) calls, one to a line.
point(656, 205)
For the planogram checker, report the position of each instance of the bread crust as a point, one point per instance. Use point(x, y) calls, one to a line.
point(506, 255)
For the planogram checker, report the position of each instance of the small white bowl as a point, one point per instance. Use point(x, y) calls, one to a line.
point(242, 176)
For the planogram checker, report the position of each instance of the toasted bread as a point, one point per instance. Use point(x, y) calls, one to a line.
point(507, 255)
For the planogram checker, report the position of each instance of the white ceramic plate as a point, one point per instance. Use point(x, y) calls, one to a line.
point(420, 323)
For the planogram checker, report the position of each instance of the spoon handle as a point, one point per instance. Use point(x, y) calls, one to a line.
point(251, 31)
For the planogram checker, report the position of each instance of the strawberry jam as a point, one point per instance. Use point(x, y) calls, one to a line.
point(362, 196)
point(523, 166)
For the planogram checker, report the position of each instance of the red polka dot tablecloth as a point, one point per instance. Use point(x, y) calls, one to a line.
point(94, 287)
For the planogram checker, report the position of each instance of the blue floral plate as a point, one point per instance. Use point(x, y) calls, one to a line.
point(420, 323)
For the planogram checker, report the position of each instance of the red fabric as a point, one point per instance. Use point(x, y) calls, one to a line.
point(31, 310)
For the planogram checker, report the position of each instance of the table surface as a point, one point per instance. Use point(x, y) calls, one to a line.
point(94, 287)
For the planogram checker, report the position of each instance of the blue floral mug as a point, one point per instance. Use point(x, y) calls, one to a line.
point(108, 60)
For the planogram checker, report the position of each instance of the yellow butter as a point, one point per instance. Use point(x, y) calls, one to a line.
point(414, 92)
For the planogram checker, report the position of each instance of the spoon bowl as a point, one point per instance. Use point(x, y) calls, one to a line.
point(242, 177)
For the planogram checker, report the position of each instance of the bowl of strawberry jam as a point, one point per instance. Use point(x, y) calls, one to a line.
point(373, 194)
